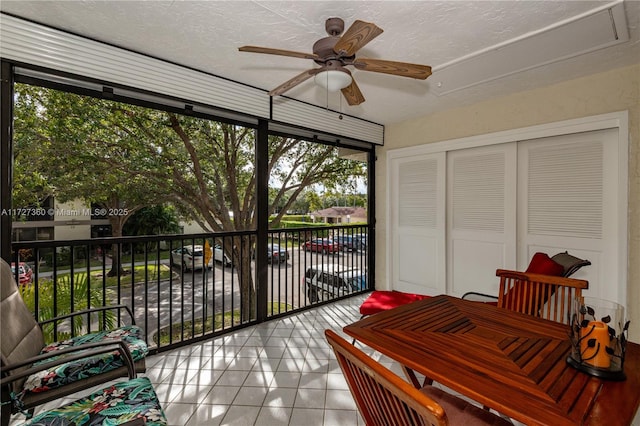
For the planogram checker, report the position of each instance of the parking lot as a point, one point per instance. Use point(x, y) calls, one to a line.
point(182, 296)
point(285, 279)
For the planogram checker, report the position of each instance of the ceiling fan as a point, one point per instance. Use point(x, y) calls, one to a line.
point(334, 53)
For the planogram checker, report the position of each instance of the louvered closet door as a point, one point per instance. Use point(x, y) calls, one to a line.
point(569, 201)
point(417, 258)
point(481, 214)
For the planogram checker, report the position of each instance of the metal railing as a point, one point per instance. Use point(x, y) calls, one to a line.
point(177, 292)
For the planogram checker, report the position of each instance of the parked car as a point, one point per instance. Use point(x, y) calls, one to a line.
point(328, 281)
point(220, 256)
point(324, 245)
point(25, 274)
point(349, 242)
point(362, 239)
point(276, 254)
point(190, 257)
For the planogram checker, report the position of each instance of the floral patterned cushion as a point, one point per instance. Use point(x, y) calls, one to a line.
point(133, 402)
point(80, 369)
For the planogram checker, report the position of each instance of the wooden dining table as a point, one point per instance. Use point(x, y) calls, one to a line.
point(508, 361)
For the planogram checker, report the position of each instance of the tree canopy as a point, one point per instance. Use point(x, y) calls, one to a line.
point(118, 155)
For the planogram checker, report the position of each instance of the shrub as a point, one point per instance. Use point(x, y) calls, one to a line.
point(62, 292)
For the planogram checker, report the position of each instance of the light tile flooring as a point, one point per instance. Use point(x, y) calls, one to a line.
point(277, 373)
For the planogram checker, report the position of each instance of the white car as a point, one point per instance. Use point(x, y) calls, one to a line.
point(190, 257)
point(220, 256)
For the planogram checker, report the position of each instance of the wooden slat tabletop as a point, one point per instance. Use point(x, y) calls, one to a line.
point(511, 362)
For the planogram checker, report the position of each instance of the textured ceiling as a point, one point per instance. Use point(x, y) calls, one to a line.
point(205, 35)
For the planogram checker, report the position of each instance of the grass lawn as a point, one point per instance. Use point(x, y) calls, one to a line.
point(78, 265)
point(139, 257)
point(152, 255)
point(137, 277)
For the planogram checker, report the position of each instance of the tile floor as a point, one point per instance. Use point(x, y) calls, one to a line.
point(278, 373)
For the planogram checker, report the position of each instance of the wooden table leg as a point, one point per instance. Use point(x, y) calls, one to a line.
point(411, 376)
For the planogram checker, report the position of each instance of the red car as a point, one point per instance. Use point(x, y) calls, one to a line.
point(324, 245)
point(25, 274)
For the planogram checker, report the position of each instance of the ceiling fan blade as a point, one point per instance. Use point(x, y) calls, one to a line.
point(281, 52)
point(356, 37)
point(402, 69)
point(289, 84)
point(352, 94)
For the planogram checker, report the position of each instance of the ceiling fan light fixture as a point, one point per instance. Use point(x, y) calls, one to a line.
point(333, 80)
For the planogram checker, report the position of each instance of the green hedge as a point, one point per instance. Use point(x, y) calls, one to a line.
point(292, 224)
point(296, 218)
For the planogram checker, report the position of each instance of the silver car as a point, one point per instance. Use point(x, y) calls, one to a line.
point(328, 281)
point(276, 254)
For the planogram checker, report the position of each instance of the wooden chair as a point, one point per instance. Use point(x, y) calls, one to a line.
point(385, 399)
point(561, 264)
point(544, 296)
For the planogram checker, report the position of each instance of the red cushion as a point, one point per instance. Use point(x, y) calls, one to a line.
point(541, 263)
point(381, 300)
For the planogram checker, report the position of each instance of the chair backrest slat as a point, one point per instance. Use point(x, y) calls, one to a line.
point(382, 397)
point(544, 296)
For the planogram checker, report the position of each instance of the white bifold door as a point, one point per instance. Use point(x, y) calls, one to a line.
point(417, 260)
point(459, 215)
point(481, 216)
point(568, 199)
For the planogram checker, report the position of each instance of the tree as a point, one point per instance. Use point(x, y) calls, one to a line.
point(314, 200)
point(273, 192)
point(65, 148)
point(212, 170)
point(205, 167)
point(30, 183)
point(342, 198)
point(153, 220)
point(301, 204)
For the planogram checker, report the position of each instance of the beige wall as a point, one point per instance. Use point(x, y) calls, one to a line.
point(616, 90)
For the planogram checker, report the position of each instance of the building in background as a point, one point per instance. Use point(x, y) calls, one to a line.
point(342, 215)
point(55, 220)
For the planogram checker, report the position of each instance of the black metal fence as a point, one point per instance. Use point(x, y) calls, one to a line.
point(182, 288)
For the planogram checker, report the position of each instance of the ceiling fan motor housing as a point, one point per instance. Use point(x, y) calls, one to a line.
point(324, 49)
point(334, 26)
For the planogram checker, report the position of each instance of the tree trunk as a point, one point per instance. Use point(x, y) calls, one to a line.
point(116, 231)
point(247, 286)
point(248, 291)
point(116, 265)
